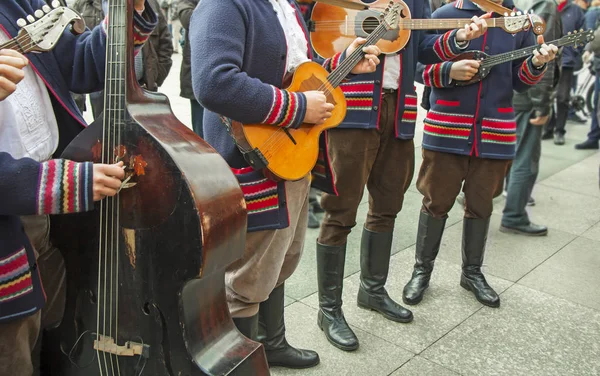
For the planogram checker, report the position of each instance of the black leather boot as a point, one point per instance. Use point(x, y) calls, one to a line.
point(375, 252)
point(330, 273)
point(248, 326)
point(429, 237)
point(473, 249)
point(272, 335)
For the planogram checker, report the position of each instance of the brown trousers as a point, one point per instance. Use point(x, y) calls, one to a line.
point(371, 157)
point(442, 175)
point(18, 338)
point(270, 257)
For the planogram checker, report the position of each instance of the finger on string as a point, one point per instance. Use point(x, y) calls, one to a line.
point(13, 53)
point(474, 27)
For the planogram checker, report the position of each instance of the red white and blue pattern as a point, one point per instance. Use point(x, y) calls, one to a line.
point(437, 75)
point(15, 276)
point(445, 47)
point(285, 110)
point(63, 187)
point(445, 125)
point(410, 109)
point(498, 131)
point(359, 95)
point(529, 75)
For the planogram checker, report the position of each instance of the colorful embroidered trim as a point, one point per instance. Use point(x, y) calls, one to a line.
point(437, 75)
point(260, 196)
point(528, 74)
point(443, 46)
point(63, 187)
point(359, 95)
point(499, 131)
point(410, 109)
point(439, 124)
point(15, 276)
point(285, 110)
point(333, 62)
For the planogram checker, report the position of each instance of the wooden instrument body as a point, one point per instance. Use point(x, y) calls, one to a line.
point(481, 73)
point(288, 160)
point(344, 25)
point(180, 226)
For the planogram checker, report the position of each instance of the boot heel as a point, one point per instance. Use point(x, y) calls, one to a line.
point(464, 284)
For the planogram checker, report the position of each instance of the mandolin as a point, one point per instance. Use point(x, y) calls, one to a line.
point(333, 28)
point(43, 34)
point(290, 154)
point(487, 61)
point(145, 271)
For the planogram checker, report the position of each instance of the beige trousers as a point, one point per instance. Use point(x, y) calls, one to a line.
point(270, 257)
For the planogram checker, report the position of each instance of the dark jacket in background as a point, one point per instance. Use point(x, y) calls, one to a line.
point(572, 17)
point(592, 21)
point(157, 53)
point(540, 97)
point(185, 8)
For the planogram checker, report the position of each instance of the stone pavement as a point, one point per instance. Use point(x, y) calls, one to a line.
point(549, 319)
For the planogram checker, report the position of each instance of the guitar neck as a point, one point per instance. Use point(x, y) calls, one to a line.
point(22, 46)
point(523, 52)
point(444, 24)
point(339, 74)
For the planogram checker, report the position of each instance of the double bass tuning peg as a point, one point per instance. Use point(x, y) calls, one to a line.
point(46, 9)
point(39, 13)
point(21, 22)
point(55, 4)
point(30, 18)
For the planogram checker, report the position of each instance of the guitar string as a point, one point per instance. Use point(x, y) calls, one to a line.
point(504, 57)
point(275, 141)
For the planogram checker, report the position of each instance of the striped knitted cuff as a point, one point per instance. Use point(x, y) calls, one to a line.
point(287, 110)
point(65, 187)
point(334, 61)
point(445, 46)
point(530, 74)
point(437, 75)
point(143, 25)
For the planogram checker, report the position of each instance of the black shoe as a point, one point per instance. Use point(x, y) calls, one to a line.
point(529, 230)
point(429, 237)
point(313, 221)
point(375, 252)
point(588, 145)
point(330, 278)
point(547, 136)
point(559, 139)
point(473, 249)
point(248, 326)
point(272, 335)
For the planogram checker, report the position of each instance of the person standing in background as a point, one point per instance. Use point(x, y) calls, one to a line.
point(532, 111)
point(185, 8)
point(176, 26)
point(572, 19)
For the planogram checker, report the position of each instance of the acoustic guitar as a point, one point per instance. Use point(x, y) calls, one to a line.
point(332, 28)
point(290, 154)
point(487, 61)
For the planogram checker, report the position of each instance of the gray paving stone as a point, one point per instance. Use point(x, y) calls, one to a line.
point(532, 334)
point(419, 366)
point(374, 357)
point(566, 151)
point(581, 177)
point(445, 305)
point(550, 166)
point(562, 210)
point(593, 233)
point(572, 273)
point(503, 249)
point(288, 300)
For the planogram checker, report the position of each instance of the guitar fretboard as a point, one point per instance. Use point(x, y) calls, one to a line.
point(443, 24)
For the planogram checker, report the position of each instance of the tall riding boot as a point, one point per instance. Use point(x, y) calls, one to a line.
point(272, 335)
point(429, 237)
point(375, 252)
point(248, 326)
point(473, 248)
point(330, 273)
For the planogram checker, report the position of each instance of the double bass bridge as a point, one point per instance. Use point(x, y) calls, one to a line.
point(108, 345)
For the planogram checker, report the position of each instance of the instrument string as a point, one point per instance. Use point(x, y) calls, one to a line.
point(275, 141)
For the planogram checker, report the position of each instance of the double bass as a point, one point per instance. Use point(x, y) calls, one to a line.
point(145, 269)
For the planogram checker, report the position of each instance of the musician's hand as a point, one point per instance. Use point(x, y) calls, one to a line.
point(11, 71)
point(317, 108)
point(473, 30)
point(545, 53)
point(368, 64)
point(107, 179)
point(464, 70)
point(539, 120)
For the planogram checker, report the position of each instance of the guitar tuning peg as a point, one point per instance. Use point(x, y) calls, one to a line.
point(21, 22)
point(39, 13)
point(512, 14)
point(55, 4)
point(505, 14)
point(30, 18)
point(46, 9)
point(518, 13)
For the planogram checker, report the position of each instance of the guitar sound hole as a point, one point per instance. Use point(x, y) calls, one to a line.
point(370, 24)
